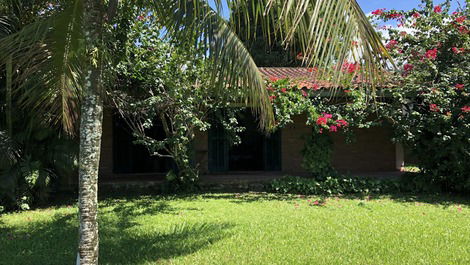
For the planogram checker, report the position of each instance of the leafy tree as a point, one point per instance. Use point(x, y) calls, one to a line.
point(166, 82)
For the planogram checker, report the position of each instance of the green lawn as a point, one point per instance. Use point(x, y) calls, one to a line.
point(249, 229)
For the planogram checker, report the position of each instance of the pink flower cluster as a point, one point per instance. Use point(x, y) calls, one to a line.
point(463, 30)
point(431, 54)
point(458, 50)
point(394, 16)
point(333, 124)
point(460, 19)
point(378, 12)
point(466, 109)
point(350, 67)
point(460, 86)
point(434, 108)
point(408, 67)
point(391, 44)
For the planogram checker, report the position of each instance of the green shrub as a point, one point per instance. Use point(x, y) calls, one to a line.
point(332, 186)
point(42, 161)
point(317, 155)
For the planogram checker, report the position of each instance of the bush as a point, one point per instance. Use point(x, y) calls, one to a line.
point(430, 105)
point(40, 160)
point(340, 185)
point(317, 155)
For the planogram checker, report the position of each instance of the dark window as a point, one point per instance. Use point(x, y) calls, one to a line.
point(135, 158)
point(257, 152)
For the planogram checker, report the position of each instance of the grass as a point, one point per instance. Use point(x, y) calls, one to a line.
point(249, 229)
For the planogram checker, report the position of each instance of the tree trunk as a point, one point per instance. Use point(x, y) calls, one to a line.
point(90, 135)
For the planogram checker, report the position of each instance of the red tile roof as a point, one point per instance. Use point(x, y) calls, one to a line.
point(304, 76)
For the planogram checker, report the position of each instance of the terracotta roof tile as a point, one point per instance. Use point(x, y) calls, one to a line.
point(305, 77)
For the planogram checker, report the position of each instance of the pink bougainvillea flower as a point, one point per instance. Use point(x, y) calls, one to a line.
point(304, 93)
point(437, 9)
point(391, 44)
point(463, 30)
point(342, 123)
point(433, 108)
point(322, 120)
point(321, 130)
point(460, 86)
point(394, 15)
point(333, 128)
point(315, 87)
point(416, 15)
point(378, 12)
point(457, 50)
point(408, 67)
point(465, 109)
point(316, 203)
point(272, 98)
point(350, 67)
point(284, 90)
point(461, 19)
point(327, 116)
point(431, 54)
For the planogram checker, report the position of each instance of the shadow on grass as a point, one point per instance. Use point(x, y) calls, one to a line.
point(443, 199)
point(122, 239)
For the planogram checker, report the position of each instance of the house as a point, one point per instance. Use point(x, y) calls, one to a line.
point(373, 150)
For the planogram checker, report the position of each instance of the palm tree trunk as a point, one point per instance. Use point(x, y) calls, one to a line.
point(8, 111)
point(90, 136)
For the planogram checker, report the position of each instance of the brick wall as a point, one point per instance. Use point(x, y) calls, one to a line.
point(201, 151)
point(372, 149)
point(293, 138)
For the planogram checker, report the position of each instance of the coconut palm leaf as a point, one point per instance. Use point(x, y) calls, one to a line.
point(46, 60)
point(9, 151)
point(231, 63)
point(331, 34)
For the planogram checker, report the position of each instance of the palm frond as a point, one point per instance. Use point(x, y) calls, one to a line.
point(330, 35)
point(46, 58)
point(9, 151)
point(231, 63)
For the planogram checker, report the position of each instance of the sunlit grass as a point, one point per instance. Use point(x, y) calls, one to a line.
point(249, 229)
